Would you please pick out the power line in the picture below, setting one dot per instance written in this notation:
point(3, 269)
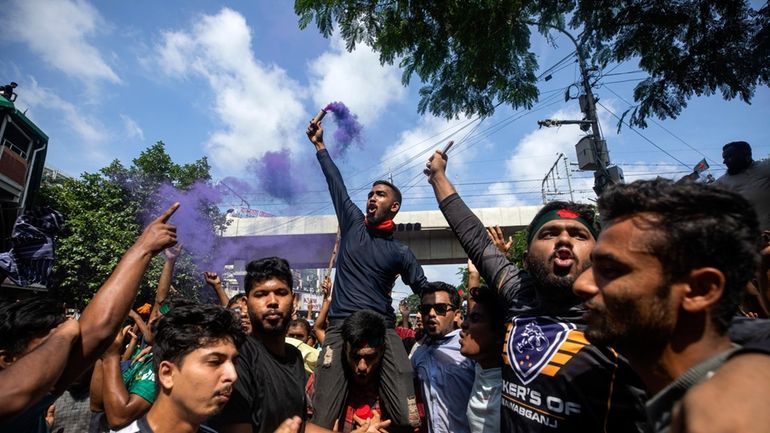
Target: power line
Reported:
point(642, 135)
point(669, 132)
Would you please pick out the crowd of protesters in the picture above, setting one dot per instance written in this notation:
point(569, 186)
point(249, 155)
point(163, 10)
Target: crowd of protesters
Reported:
point(646, 313)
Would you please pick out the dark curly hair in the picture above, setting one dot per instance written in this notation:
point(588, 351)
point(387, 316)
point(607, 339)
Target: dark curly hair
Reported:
point(187, 328)
point(22, 321)
point(261, 270)
point(697, 226)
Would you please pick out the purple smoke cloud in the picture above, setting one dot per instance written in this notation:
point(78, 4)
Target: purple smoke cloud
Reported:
point(194, 229)
point(277, 175)
point(348, 127)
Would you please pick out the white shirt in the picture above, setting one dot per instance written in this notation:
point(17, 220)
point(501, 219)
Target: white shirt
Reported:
point(484, 405)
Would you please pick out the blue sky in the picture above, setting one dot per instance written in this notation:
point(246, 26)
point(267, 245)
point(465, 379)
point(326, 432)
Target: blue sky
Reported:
point(232, 80)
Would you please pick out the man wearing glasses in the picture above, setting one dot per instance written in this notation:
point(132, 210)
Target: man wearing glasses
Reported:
point(445, 375)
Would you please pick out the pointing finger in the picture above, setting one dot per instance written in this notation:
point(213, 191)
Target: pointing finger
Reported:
point(163, 218)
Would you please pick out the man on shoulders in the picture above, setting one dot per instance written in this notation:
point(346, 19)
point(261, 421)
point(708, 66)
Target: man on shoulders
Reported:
point(368, 262)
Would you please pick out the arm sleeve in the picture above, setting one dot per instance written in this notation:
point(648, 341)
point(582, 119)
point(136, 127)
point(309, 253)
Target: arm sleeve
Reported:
point(347, 212)
point(411, 272)
point(145, 387)
point(493, 265)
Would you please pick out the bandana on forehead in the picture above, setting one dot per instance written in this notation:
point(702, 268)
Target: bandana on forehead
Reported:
point(560, 214)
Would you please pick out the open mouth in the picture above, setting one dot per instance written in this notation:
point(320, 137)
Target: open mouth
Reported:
point(371, 208)
point(563, 258)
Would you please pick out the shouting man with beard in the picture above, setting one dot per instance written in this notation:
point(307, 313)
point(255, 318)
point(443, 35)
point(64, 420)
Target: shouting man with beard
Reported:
point(368, 262)
point(554, 380)
point(271, 373)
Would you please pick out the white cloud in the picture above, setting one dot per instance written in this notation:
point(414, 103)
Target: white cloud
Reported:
point(58, 32)
point(533, 157)
point(89, 130)
point(132, 128)
point(405, 159)
point(357, 79)
point(258, 105)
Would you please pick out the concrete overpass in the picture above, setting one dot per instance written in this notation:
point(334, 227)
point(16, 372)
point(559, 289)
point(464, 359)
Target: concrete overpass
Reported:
point(307, 241)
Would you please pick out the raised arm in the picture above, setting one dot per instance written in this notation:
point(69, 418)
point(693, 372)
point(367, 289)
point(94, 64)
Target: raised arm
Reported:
point(319, 326)
point(436, 171)
point(32, 376)
point(103, 316)
point(164, 282)
point(347, 212)
point(141, 325)
point(492, 264)
point(213, 280)
point(120, 407)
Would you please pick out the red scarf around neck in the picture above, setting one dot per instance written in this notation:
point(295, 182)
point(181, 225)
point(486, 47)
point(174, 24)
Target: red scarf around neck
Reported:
point(385, 226)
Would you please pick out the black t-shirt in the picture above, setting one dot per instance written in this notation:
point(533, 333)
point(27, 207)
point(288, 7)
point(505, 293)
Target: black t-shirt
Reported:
point(269, 388)
point(554, 380)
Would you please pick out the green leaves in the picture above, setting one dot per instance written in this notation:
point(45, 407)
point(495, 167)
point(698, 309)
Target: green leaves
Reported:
point(475, 55)
point(103, 213)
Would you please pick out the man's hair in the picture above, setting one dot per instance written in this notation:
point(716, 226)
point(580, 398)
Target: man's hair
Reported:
point(190, 327)
point(301, 322)
point(698, 226)
point(738, 145)
point(364, 327)
point(494, 307)
point(22, 321)
point(584, 211)
point(236, 298)
point(261, 270)
point(396, 191)
point(440, 286)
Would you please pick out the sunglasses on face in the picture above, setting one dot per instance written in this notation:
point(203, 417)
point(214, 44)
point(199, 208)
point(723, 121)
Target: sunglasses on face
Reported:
point(440, 309)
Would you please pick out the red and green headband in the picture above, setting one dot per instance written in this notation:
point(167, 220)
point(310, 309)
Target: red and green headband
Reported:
point(560, 214)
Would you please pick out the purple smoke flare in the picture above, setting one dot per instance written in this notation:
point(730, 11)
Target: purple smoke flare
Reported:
point(348, 127)
point(277, 175)
point(194, 227)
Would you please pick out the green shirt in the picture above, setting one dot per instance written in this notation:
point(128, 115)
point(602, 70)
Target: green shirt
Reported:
point(140, 379)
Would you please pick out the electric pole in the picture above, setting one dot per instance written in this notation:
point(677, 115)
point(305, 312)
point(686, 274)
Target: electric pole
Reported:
point(592, 149)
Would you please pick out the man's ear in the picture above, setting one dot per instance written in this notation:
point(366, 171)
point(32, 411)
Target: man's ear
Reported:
point(166, 371)
point(706, 287)
point(394, 208)
point(6, 359)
